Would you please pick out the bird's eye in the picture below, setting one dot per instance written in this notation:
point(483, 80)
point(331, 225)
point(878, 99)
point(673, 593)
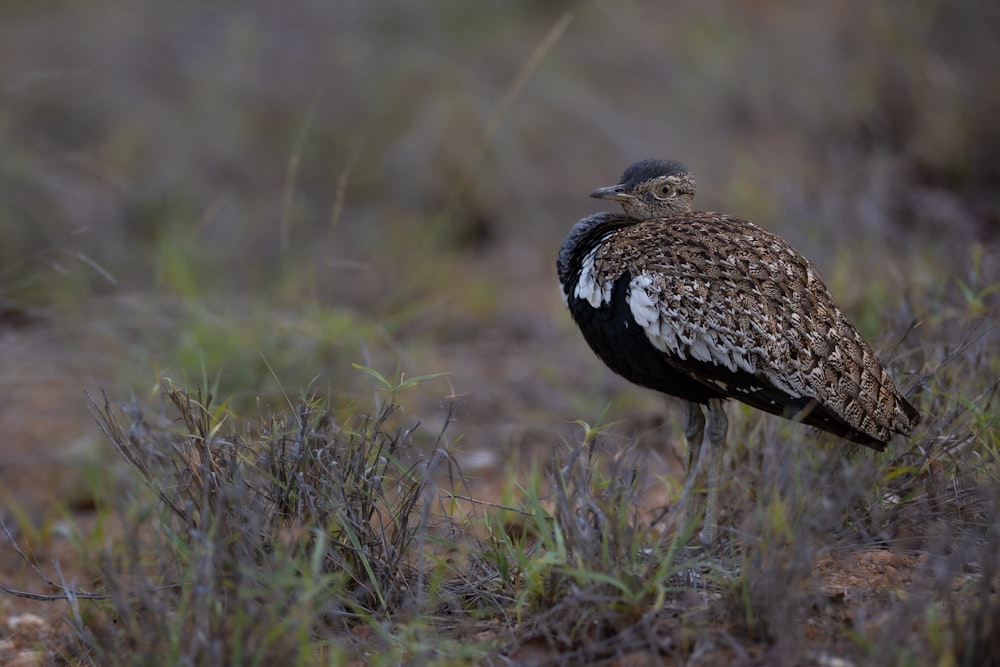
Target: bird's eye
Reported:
point(664, 191)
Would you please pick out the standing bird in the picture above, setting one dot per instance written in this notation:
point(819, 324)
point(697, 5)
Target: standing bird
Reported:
point(705, 306)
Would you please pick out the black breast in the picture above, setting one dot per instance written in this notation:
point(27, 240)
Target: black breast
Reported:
point(621, 343)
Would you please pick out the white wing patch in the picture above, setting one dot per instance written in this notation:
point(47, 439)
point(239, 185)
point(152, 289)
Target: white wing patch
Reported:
point(645, 309)
point(647, 305)
point(684, 325)
point(587, 287)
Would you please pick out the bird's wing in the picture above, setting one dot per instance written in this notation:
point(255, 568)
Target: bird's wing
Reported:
point(758, 392)
point(738, 308)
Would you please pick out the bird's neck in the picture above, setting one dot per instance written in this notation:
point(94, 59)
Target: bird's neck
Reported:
point(586, 235)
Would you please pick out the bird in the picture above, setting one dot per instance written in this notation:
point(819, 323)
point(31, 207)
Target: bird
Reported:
point(707, 307)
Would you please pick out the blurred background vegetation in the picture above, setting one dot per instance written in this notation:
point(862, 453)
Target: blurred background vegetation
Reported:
point(259, 194)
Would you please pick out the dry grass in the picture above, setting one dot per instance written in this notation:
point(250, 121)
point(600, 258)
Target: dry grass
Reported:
point(247, 194)
point(315, 538)
point(264, 545)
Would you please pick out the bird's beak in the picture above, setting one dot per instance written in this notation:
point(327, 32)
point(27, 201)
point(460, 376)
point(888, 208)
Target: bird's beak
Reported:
point(615, 192)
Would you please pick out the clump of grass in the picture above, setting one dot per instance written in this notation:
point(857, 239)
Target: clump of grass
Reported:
point(601, 578)
point(799, 503)
point(302, 539)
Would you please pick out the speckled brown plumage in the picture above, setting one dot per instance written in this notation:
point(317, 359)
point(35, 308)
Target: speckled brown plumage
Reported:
point(709, 306)
point(739, 299)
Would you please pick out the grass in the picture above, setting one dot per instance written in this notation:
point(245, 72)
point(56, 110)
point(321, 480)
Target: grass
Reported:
point(324, 535)
point(257, 202)
point(270, 545)
point(310, 539)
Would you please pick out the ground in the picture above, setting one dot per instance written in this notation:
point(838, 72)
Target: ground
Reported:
point(363, 204)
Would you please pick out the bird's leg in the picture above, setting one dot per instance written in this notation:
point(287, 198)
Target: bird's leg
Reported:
point(717, 426)
point(694, 432)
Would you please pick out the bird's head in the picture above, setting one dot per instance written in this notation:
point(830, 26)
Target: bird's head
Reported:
point(652, 189)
